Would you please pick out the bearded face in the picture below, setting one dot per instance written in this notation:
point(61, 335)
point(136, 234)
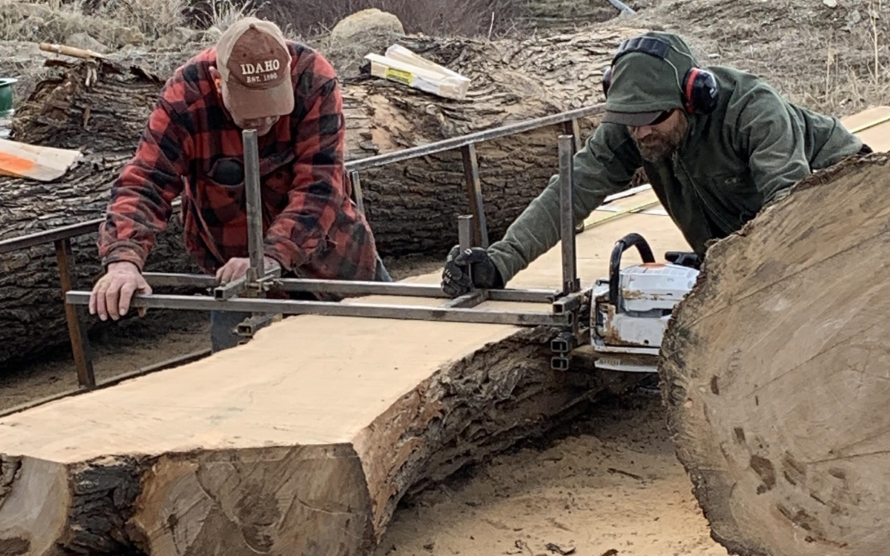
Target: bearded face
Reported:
point(662, 138)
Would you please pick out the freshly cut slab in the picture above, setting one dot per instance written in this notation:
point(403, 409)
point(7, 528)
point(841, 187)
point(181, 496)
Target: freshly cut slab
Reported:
point(302, 441)
point(777, 373)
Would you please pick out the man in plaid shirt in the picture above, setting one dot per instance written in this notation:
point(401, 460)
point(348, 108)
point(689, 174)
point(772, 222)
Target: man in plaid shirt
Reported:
point(253, 79)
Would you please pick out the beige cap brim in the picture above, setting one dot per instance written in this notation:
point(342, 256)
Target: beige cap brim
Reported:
point(251, 104)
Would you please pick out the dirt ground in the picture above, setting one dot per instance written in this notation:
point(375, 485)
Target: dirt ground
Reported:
point(607, 485)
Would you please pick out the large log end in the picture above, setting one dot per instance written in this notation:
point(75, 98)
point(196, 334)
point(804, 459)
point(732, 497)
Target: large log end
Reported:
point(275, 500)
point(27, 524)
point(777, 373)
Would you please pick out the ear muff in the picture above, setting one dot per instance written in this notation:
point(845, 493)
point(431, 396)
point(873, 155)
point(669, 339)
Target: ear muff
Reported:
point(699, 91)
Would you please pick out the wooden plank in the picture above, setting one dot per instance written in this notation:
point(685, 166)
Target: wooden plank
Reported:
point(872, 126)
point(307, 436)
point(866, 119)
point(35, 162)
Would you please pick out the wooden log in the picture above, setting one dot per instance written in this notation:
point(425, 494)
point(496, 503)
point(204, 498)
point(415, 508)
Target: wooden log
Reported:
point(32, 315)
point(777, 377)
point(302, 441)
point(101, 107)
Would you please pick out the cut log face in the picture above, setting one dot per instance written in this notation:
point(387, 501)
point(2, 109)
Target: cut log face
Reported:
point(777, 373)
point(302, 441)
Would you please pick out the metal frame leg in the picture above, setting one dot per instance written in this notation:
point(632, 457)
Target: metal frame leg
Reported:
point(573, 128)
point(570, 282)
point(356, 181)
point(465, 241)
point(474, 193)
point(80, 344)
point(254, 206)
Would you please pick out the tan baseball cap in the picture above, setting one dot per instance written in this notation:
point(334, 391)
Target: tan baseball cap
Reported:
point(254, 62)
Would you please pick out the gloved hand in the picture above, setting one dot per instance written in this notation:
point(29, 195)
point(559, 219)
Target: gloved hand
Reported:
point(456, 281)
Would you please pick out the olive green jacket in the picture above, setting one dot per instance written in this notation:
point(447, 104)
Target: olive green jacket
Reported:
point(745, 154)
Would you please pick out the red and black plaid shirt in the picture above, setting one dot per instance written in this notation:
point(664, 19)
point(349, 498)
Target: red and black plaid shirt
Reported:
point(191, 146)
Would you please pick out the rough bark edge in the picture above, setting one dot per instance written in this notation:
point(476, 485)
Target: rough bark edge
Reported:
point(103, 492)
point(676, 336)
point(504, 399)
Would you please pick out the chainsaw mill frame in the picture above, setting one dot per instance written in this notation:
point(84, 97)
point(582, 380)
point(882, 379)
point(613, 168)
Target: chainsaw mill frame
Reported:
point(248, 294)
point(561, 304)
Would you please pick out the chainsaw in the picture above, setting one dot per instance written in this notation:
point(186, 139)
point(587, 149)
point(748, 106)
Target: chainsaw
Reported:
point(631, 308)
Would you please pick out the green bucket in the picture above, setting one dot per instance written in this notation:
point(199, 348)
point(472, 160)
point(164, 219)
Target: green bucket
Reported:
point(6, 95)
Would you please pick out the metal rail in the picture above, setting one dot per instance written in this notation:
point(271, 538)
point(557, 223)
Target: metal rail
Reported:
point(62, 236)
point(477, 137)
point(352, 287)
point(335, 309)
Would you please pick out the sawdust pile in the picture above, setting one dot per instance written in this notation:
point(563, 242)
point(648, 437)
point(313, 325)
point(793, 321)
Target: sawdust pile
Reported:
point(610, 485)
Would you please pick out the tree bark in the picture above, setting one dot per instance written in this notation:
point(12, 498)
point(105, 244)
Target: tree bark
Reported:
point(32, 315)
point(777, 377)
point(102, 107)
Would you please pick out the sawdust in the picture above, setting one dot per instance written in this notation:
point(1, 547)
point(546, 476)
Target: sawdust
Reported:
point(610, 484)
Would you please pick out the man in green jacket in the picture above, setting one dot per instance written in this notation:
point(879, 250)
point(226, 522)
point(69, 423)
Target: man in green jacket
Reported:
point(717, 145)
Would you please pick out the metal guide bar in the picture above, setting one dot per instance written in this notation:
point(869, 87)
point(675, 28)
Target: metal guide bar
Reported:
point(477, 137)
point(327, 308)
point(570, 282)
point(254, 205)
point(353, 287)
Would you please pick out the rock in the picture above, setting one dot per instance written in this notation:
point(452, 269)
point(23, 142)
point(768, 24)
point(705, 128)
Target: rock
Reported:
point(364, 23)
point(27, 28)
point(830, 3)
point(212, 34)
point(177, 37)
point(85, 41)
point(130, 35)
point(33, 10)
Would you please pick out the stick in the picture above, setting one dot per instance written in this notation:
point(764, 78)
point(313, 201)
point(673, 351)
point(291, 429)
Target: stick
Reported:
point(70, 51)
point(622, 6)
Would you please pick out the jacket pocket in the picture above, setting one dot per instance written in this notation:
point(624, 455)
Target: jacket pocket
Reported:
point(738, 194)
point(220, 191)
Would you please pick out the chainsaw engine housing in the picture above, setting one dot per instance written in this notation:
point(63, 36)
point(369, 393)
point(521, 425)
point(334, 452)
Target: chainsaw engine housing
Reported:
point(627, 328)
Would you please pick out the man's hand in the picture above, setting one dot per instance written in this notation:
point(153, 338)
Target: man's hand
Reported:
point(238, 267)
point(457, 281)
point(113, 292)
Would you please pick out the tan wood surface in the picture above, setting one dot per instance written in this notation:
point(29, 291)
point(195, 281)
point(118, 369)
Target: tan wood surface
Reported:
point(873, 126)
point(778, 375)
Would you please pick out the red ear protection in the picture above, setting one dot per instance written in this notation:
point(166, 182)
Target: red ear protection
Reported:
point(698, 90)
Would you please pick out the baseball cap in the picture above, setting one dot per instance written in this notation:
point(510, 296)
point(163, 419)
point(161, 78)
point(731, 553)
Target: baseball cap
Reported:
point(644, 86)
point(253, 60)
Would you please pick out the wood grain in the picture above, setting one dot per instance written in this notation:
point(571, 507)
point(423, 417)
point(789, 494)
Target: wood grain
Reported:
point(777, 374)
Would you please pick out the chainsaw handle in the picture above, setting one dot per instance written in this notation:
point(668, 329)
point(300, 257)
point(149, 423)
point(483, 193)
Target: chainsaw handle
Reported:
point(622, 245)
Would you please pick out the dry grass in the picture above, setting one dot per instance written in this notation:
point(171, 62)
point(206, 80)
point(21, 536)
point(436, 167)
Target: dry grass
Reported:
point(856, 71)
point(475, 18)
point(114, 23)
